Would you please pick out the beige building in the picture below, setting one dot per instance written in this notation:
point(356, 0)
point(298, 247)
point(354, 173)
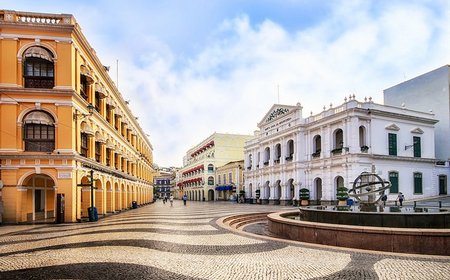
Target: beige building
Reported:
point(197, 176)
point(68, 140)
point(229, 180)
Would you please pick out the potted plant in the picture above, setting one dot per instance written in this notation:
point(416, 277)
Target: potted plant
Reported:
point(304, 197)
point(342, 196)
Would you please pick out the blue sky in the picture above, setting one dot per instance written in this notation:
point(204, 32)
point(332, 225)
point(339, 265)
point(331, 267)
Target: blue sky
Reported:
point(190, 68)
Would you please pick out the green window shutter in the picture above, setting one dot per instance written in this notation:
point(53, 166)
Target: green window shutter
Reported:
point(393, 177)
point(392, 144)
point(417, 183)
point(417, 146)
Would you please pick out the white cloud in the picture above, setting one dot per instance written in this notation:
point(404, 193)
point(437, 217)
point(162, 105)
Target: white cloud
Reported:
point(230, 81)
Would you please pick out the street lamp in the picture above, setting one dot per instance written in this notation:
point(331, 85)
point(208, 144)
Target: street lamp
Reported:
point(91, 184)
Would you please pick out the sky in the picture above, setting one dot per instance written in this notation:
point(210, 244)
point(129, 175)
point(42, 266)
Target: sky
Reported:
point(192, 68)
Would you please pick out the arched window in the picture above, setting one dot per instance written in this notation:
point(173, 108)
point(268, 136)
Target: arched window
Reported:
point(362, 139)
point(38, 67)
point(266, 156)
point(210, 180)
point(210, 168)
point(277, 153)
point(250, 162)
point(338, 141)
point(339, 182)
point(39, 132)
point(290, 150)
point(317, 148)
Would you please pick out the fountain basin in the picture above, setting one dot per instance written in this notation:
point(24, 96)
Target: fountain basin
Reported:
point(398, 218)
point(389, 239)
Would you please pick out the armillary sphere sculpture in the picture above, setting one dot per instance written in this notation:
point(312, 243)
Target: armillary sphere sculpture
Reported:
point(368, 188)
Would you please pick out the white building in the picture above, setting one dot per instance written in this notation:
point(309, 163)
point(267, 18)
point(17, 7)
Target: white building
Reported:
point(427, 92)
point(328, 150)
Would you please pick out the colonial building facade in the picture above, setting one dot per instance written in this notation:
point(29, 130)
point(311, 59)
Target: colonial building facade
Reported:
point(229, 180)
point(427, 92)
point(328, 150)
point(64, 126)
point(164, 182)
point(197, 176)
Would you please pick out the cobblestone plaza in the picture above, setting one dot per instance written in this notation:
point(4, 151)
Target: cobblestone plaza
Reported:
point(188, 242)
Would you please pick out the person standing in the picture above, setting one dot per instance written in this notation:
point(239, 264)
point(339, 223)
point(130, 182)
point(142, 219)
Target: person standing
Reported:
point(400, 198)
point(184, 199)
point(171, 200)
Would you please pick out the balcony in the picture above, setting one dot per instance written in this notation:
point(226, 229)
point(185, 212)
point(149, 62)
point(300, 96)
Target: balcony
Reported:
point(336, 151)
point(316, 154)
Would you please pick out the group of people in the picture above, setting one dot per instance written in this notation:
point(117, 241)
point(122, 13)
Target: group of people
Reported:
point(171, 199)
point(400, 198)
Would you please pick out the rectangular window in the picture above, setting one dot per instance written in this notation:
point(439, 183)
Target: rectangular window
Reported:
point(98, 151)
point(108, 157)
point(230, 177)
point(417, 183)
point(224, 179)
point(393, 178)
point(84, 145)
point(218, 180)
point(417, 146)
point(392, 144)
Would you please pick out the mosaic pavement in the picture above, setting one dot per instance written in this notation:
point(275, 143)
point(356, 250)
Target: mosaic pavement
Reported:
point(185, 242)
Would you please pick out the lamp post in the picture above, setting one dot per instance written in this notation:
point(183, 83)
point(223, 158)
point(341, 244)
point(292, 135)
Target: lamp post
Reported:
point(91, 184)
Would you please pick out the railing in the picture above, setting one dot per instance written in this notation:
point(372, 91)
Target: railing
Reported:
point(36, 18)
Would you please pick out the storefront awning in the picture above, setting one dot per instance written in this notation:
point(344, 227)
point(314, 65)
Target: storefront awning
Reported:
point(224, 188)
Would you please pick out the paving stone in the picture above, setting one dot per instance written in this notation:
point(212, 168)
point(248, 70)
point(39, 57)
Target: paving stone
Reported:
point(184, 242)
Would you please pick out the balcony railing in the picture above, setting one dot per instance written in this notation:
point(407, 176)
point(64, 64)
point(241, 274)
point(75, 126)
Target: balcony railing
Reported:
point(316, 154)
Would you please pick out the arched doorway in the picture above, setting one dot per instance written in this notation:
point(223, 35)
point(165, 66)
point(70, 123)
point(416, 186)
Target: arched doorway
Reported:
point(98, 198)
point(109, 197)
point(210, 195)
point(117, 197)
point(40, 198)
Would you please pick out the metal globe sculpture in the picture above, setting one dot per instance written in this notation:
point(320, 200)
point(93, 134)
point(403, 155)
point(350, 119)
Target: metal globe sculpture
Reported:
point(368, 189)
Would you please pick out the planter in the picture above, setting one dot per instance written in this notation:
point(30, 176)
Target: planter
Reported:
point(304, 202)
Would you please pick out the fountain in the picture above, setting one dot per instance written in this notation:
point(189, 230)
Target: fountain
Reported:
point(368, 224)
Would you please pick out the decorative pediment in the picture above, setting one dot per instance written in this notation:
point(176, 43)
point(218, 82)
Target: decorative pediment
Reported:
point(275, 112)
point(392, 127)
point(417, 130)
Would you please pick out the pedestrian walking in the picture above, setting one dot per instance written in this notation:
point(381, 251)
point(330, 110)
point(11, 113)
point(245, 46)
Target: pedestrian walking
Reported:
point(164, 199)
point(184, 199)
point(171, 200)
point(384, 198)
point(400, 198)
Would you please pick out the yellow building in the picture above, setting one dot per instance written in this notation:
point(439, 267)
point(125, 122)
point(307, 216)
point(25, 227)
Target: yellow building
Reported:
point(196, 178)
point(230, 180)
point(61, 118)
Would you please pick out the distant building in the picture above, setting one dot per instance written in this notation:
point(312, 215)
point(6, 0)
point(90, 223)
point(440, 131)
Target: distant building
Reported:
point(329, 150)
point(197, 176)
point(427, 92)
point(164, 182)
point(229, 180)
point(61, 117)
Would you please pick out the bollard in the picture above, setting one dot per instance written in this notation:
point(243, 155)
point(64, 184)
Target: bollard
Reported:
point(440, 204)
point(414, 204)
point(395, 203)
